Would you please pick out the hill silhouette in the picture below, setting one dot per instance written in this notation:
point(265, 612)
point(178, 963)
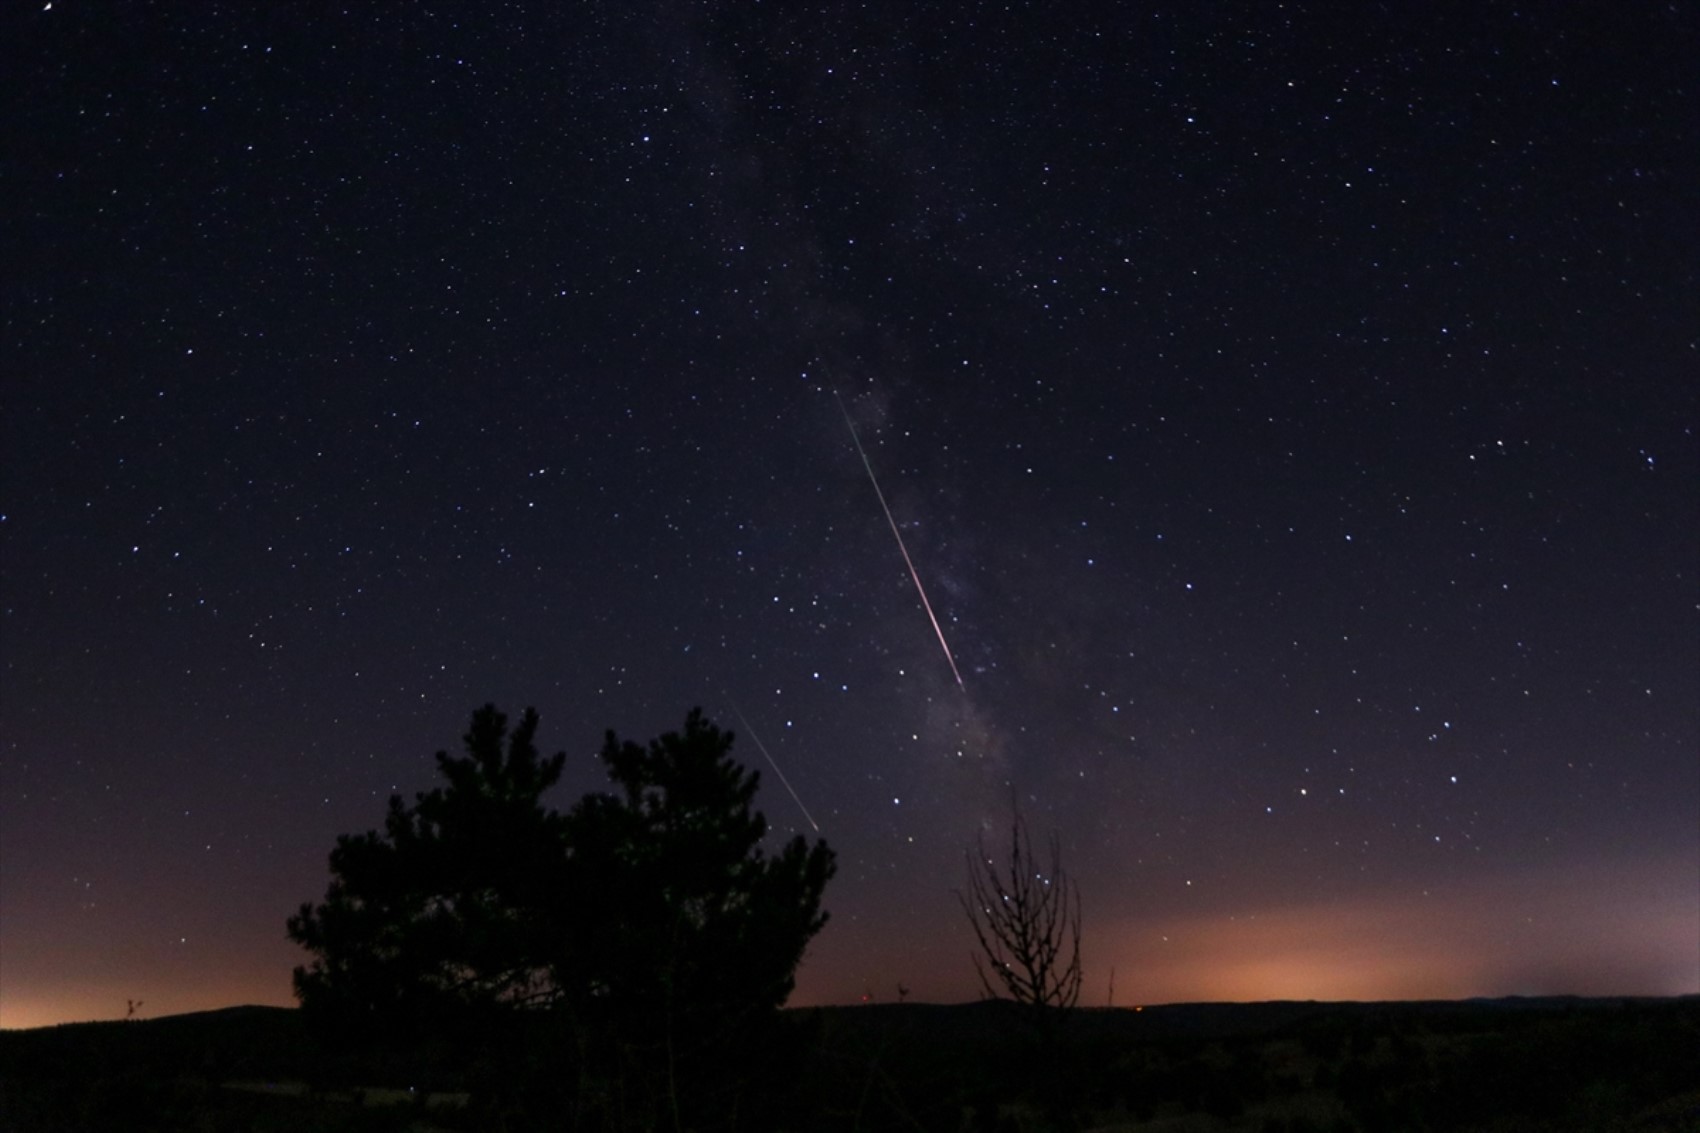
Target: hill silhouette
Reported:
point(1549, 1063)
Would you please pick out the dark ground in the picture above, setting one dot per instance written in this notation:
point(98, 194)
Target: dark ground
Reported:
point(1500, 1065)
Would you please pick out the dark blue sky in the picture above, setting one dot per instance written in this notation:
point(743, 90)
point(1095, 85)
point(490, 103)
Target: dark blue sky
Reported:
point(1290, 414)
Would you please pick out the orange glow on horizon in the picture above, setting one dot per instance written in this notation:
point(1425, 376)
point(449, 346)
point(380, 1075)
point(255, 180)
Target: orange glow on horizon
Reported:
point(1589, 931)
point(1507, 937)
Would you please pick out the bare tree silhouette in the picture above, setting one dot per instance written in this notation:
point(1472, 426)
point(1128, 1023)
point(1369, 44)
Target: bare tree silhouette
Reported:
point(1026, 921)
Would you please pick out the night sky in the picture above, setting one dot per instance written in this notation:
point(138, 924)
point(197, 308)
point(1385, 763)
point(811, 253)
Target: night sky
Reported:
point(1290, 412)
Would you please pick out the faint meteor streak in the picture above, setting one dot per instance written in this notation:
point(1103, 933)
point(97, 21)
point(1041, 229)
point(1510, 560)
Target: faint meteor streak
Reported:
point(761, 747)
point(907, 561)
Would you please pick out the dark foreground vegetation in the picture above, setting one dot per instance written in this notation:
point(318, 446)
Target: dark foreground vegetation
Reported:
point(1502, 1066)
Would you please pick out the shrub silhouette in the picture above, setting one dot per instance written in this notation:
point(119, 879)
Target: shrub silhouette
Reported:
point(1026, 922)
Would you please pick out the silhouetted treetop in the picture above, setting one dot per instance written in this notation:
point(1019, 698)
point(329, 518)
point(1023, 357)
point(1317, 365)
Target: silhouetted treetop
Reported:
point(514, 774)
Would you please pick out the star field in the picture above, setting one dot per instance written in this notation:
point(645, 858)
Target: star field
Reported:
point(1289, 413)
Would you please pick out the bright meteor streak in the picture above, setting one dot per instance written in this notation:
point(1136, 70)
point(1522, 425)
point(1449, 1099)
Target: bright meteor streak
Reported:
point(761, 747)
point(907, 561)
